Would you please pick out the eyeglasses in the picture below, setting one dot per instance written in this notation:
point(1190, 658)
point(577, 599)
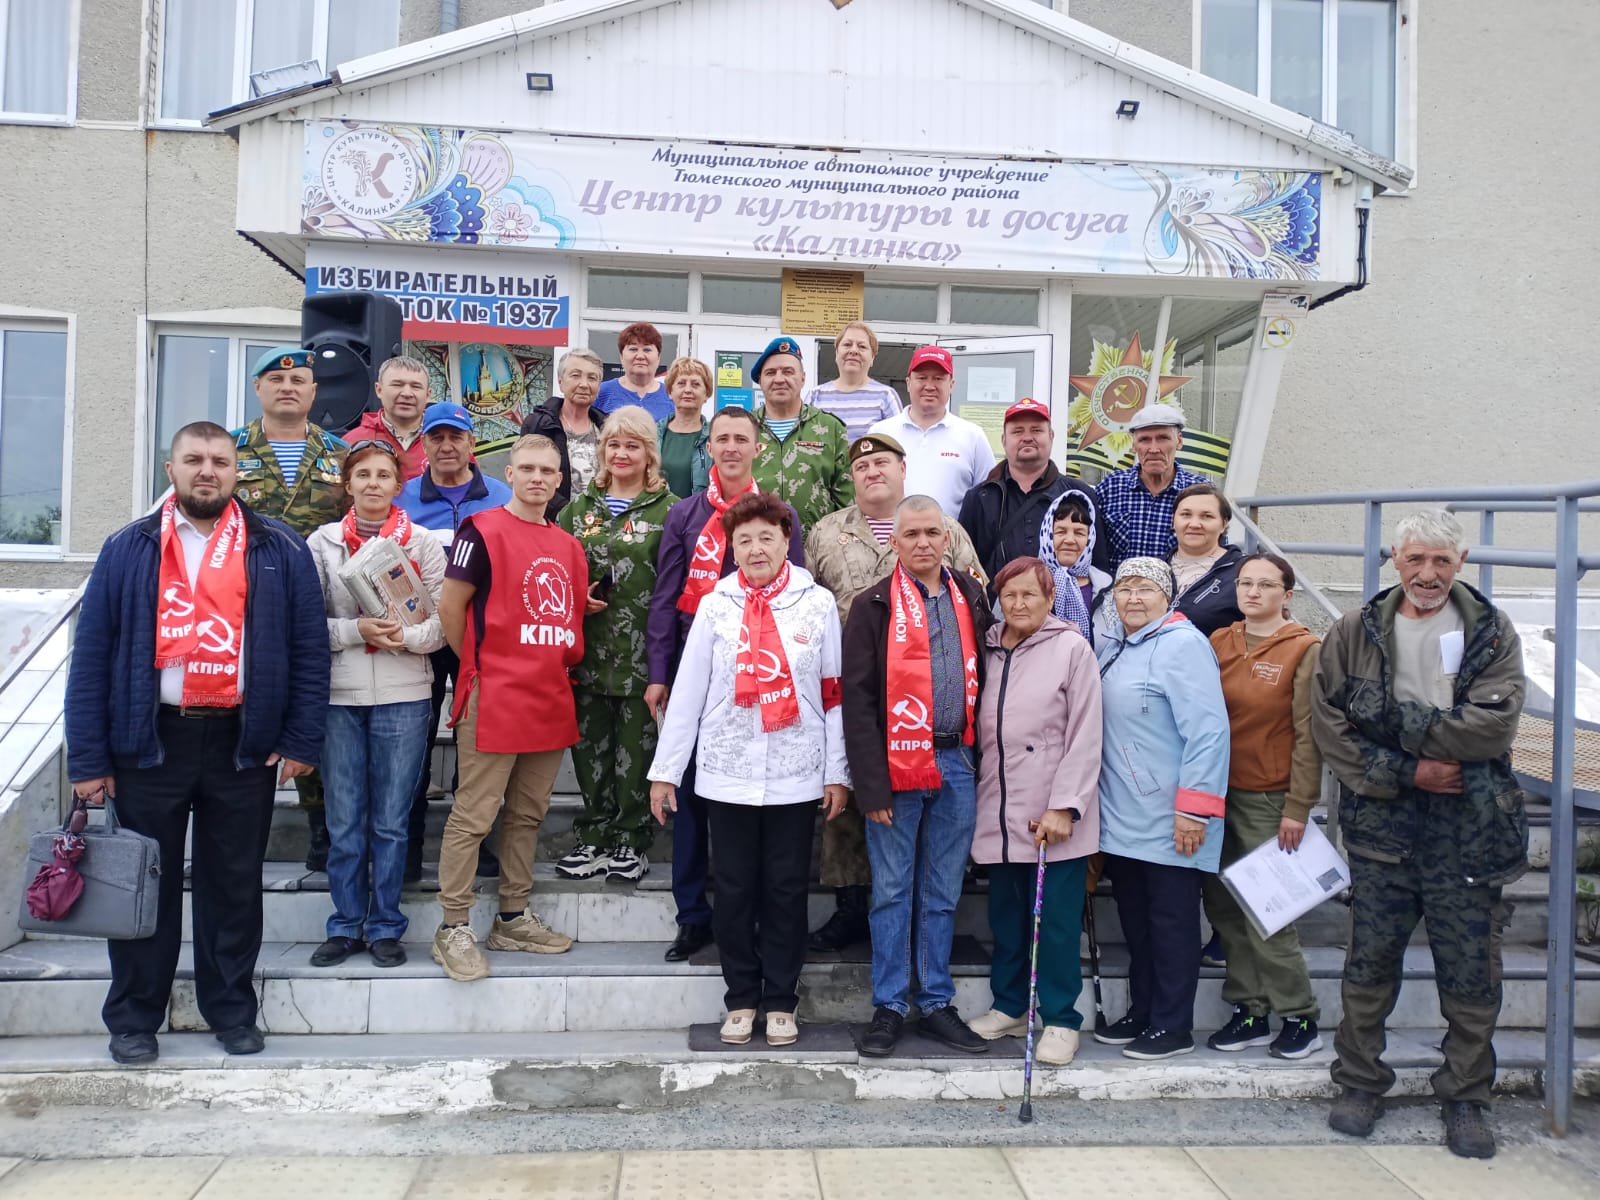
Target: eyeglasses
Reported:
point(1141, 591)
point(369, 443)
point(1259, 585)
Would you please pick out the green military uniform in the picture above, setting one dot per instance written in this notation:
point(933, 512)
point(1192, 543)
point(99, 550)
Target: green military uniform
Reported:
point(846, 557)
point(317, 498)
point(616, 735)
point(810, 468)
point(318, 493)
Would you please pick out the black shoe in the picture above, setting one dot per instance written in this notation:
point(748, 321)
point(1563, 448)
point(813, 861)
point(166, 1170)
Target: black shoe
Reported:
point(128, 1048)
point(1466, 1131)
point(1211, 954)
point(1296, 1039)
point(945, 1025)
point(879, 1039)
point(246, 1039)
point(317, 851)
point(848, 925)
point(1158, 1043)
point(335, 950)
point(1122, 1032)
point(1243, 1032)
point(413, 868)
point(1354, 1112)
point(691, 939)
point(488, 864)
point(387, 952)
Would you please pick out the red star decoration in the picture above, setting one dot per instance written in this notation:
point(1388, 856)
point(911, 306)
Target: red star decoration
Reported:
point(1125, 396)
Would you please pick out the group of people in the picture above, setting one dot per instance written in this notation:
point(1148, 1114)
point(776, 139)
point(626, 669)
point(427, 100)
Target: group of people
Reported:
point(734, 619)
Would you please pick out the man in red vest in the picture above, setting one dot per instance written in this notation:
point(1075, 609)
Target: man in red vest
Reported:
point(513, 605)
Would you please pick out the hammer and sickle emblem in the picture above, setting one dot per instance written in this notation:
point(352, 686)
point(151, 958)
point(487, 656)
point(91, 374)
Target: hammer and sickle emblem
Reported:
point(177, 607)
point(705, 549)
point(910, 715)
point(215, 635)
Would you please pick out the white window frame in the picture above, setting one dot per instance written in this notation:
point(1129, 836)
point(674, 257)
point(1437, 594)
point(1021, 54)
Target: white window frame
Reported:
point(1405, 80)
point(70, 117)
point(243, 37)
point(44, 321)
point(276, 328)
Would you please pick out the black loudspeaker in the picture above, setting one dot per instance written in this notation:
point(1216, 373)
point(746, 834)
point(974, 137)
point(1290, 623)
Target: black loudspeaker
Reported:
point(351, 334)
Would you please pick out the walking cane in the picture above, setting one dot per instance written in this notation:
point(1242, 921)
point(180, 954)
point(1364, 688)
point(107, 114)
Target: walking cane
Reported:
point(1094, 963)
point(1025, 1113)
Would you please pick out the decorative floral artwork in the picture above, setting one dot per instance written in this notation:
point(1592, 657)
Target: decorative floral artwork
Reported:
point(1254, 225)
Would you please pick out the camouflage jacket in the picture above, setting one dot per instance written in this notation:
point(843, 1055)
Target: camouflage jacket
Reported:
point(614, 661)
point(845, 557)
point(1373, 743)
point(318, 493)
point(810, 468)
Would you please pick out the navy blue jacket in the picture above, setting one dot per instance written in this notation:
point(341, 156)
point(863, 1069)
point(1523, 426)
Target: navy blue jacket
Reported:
point(114, 689)
point(1212, 602)
point(424, 504)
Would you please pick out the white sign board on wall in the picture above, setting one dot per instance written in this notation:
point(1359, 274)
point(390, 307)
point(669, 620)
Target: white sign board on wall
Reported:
point(419, 184)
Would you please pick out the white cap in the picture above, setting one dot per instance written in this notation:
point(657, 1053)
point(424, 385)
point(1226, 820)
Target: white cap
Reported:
point(1157, 414)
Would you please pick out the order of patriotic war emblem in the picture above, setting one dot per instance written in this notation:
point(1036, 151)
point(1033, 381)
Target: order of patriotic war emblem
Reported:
point(547, 597)
point(369, 173)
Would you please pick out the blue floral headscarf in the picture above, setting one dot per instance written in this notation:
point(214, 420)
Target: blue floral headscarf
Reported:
point(1069, 605)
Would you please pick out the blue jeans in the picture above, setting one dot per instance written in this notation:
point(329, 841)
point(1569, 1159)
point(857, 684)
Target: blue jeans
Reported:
point(917, 866)
point(371, 758)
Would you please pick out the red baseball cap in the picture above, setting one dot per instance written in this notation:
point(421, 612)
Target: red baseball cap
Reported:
point(937, 355)
point(1027, 407)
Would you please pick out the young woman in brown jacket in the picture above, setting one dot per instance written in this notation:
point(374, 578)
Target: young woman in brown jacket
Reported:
point(1274, 779)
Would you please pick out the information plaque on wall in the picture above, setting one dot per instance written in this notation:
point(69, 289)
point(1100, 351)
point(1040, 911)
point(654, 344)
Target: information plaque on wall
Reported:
point(822, 302)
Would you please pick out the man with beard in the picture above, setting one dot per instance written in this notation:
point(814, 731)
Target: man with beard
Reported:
point(1414, 705)
point(199, 681)
point(804, 451)
point(694, 554)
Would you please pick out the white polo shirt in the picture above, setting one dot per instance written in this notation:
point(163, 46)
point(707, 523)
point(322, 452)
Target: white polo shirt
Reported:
point(944, 461)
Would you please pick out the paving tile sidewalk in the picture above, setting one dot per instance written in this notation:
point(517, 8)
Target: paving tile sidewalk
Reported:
point(970, 1173)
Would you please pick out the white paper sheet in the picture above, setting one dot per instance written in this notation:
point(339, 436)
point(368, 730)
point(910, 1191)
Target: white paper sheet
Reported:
point(1451, 646)
point(1275, 887)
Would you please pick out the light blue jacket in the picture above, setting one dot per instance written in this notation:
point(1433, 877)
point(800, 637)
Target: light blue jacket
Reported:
point(1165, 748)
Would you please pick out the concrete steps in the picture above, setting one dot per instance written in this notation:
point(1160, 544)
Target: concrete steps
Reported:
point(401, 1074)
point(56, 988)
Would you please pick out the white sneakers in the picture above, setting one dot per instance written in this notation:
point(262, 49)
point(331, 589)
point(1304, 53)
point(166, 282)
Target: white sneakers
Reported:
point(781, 1029)
point(995, 1024)
point(741, 1023)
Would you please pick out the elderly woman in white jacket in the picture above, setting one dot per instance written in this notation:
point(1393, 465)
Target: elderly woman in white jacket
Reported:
point(378, 714)
point(758, 692)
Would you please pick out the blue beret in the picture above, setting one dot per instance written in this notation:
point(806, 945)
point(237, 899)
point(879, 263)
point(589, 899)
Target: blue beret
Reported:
point(782, 344)
point(281, 358)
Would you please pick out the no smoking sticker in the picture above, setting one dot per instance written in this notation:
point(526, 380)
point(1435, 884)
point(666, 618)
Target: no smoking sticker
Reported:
point(1279, 332)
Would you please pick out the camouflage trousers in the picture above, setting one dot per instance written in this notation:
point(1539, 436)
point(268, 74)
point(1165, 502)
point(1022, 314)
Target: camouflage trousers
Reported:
point(1465, 924)
point(309, 787)
point(844, 850)
point(616, 741)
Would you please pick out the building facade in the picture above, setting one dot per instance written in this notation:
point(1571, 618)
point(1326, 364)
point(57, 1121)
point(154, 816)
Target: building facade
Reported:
point(133, 303)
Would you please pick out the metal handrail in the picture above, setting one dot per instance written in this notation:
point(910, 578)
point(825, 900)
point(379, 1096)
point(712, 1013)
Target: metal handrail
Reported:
point(1256, 540)
point(64, 615)
point(1567, 502)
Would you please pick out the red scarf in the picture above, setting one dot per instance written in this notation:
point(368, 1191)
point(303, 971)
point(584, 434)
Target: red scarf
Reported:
point(761, 669)
point(397, 526)
point(711, 547)
point(200, 628)
point(908, 680)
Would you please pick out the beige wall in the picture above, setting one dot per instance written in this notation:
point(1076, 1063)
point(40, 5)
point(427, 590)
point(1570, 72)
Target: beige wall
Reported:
point(1164, 27)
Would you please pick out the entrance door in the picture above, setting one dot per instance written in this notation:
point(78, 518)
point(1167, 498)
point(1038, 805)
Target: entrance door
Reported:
point(731, 352)
point(993, 373)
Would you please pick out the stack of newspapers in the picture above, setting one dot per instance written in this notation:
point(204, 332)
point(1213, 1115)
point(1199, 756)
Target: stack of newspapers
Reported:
point(385, 583)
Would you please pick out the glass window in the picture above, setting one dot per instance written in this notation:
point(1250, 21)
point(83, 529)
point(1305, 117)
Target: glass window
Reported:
point(1229, 34)
point(604, 343)
point(1366, 72)
point(38, 52)
point(194, 382)
point(742, 295)
point(638, 291)
point(33, 402)
point(994, 306)
point(198, 44)
point(1297, 55)
point(1299, 36)
point(913, 303)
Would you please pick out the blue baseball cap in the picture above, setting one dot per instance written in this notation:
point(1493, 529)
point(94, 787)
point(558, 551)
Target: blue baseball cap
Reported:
point(282, 358)
point(782, 344)
point(446, 414)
